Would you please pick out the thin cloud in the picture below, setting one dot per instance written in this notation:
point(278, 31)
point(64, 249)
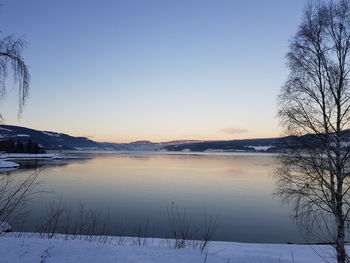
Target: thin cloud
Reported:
point(234, 130)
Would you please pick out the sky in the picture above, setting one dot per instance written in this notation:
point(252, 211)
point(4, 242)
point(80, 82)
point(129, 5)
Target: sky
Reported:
point(127, 70)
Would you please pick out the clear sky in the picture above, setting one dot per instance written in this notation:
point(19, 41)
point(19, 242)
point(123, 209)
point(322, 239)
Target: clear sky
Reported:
point(125, 70)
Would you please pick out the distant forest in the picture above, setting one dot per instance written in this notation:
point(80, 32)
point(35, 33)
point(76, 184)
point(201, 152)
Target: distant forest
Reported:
point(11, 146)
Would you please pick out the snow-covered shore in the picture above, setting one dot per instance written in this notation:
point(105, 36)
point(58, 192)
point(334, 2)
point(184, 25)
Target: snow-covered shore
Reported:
point(30, 248)
point(5, 164)
point(8, 156)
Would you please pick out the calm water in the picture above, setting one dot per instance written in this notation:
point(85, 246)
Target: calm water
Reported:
point(135, 186)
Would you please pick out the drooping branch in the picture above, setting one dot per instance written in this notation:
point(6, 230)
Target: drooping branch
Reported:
point(10, 55)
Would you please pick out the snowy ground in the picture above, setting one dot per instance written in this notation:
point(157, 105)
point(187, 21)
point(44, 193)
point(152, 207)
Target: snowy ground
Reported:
point(31, 248)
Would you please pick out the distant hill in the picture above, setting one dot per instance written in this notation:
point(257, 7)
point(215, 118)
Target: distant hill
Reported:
point(50, 140)
point(258, 145)
point(248, 145)
point(46, 139)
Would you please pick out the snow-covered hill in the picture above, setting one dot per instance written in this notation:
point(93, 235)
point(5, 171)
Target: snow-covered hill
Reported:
point(47, 140)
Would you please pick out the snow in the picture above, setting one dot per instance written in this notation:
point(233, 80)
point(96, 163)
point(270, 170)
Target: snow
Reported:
point(30, 156)
point(51, 134)
point(28, 247)
point(7, 164)
point(4, 129)
point(186, 150)
point(260, 148)
point(241, 252)
point(47, 133)
point(15, 250)
point(22, 135)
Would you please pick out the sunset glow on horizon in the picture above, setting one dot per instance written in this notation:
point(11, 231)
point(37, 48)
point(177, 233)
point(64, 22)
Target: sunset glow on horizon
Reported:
point(123, 71)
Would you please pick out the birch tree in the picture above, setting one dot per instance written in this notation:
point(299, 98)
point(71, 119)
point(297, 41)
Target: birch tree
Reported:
point(314, 109)
point(11, 61)
point(14, 193)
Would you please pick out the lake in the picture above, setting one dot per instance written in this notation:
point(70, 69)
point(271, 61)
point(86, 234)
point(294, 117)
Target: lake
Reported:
point(130, 188)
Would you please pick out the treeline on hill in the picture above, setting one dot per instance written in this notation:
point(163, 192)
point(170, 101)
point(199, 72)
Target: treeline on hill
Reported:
point(11, 146)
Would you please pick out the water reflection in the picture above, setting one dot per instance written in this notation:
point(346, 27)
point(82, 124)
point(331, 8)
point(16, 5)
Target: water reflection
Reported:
point(136, 186)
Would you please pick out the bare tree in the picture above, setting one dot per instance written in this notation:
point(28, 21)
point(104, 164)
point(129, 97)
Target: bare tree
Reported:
point(11, 55)
point(314, 108)
point(15, 192)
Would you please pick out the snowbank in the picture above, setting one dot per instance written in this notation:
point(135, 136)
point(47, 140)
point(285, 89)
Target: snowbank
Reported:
point(29, 248)
point(18, 250)
point(7, 164)
point(8, 156)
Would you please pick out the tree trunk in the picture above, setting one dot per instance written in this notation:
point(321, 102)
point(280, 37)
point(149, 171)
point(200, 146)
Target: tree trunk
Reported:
point(340, 246)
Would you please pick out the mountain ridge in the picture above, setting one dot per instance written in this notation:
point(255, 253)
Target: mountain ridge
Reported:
point(50, 140)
